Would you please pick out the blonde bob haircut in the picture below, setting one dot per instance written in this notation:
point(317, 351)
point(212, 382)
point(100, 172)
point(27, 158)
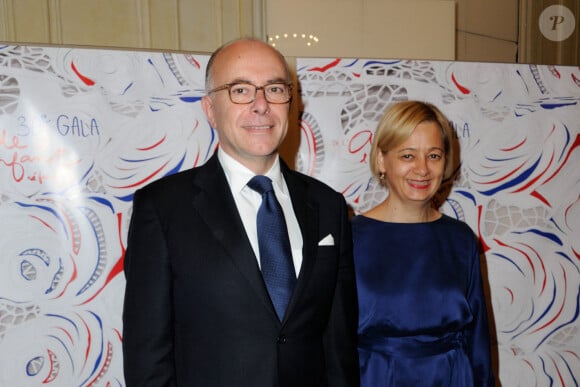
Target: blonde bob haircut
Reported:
point(397, 125)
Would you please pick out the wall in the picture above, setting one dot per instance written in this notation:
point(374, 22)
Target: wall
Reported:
point(487, 30)
point(563, 44)
point(482, 30)
point(200, 25)
point(417, 29)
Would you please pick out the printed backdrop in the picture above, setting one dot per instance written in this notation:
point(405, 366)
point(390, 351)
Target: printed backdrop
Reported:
point(82, 129)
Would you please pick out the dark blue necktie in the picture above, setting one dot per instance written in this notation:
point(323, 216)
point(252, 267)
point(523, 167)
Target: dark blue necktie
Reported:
point(275, 252)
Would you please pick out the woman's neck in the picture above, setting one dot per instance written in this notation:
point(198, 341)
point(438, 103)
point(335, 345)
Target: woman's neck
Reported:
point(396, 212)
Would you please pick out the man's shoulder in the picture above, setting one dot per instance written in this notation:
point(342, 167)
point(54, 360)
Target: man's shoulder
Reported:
point(178, 178)
point(313, 185)
point(181, 179)
point(182, 182)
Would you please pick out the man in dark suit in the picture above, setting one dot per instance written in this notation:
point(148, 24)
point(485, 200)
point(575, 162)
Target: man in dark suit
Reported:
point(197, 310)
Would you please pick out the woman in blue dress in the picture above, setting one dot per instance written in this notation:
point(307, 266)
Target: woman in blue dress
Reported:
point(422, 312)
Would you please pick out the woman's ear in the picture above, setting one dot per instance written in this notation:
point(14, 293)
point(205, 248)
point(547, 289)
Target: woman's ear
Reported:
point(380, 162)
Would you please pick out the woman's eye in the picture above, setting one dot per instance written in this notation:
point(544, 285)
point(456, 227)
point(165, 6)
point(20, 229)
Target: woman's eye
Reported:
point(275, 90)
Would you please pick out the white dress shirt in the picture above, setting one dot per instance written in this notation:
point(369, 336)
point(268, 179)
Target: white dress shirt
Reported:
point(248, 202)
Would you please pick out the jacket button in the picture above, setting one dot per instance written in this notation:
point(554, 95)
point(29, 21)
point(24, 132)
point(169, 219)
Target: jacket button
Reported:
point(281, 339)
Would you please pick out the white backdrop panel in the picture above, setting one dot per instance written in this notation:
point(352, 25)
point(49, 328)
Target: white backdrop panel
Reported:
point(81, 129)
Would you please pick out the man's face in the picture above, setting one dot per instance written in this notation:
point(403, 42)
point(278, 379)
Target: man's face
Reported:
point(250, 133)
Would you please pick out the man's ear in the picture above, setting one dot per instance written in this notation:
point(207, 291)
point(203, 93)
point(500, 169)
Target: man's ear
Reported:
point(207, 106)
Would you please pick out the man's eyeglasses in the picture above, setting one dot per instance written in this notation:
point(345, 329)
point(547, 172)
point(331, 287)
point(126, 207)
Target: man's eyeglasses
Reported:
point(245, 92)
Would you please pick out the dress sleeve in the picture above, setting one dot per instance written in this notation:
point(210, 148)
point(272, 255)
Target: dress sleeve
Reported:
point(479, 350)
point(147, 322)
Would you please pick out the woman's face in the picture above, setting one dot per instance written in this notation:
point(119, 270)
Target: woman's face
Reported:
point(414, 170)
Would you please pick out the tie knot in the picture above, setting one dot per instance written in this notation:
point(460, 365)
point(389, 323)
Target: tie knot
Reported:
point(261, 184)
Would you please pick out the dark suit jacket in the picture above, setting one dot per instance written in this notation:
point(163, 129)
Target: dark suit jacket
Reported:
point(197, 312)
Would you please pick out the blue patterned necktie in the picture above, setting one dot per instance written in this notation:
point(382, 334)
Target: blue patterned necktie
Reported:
point(275, 252)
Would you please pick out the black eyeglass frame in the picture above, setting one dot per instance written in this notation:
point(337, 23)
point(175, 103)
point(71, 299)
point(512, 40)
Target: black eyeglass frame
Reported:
point(229, 87)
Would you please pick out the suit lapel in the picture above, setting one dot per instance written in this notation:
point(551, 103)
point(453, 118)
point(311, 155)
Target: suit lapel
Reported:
point(215, 203)
point(306, 210)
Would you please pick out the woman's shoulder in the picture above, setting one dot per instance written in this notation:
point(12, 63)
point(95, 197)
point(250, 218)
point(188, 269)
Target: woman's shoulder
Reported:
point(456, 225)
point(453, 222)
point(361, 219)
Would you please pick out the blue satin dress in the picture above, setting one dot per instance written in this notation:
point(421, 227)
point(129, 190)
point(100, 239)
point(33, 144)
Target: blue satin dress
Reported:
point(422, 313)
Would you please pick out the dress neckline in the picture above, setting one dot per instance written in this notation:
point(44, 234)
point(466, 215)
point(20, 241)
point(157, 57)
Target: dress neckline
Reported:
point(401, 223)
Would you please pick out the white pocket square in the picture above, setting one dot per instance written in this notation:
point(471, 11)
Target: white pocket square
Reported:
point(327, 241)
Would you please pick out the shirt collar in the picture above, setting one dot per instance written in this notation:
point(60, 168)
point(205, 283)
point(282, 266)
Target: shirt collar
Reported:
point(238, 175)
